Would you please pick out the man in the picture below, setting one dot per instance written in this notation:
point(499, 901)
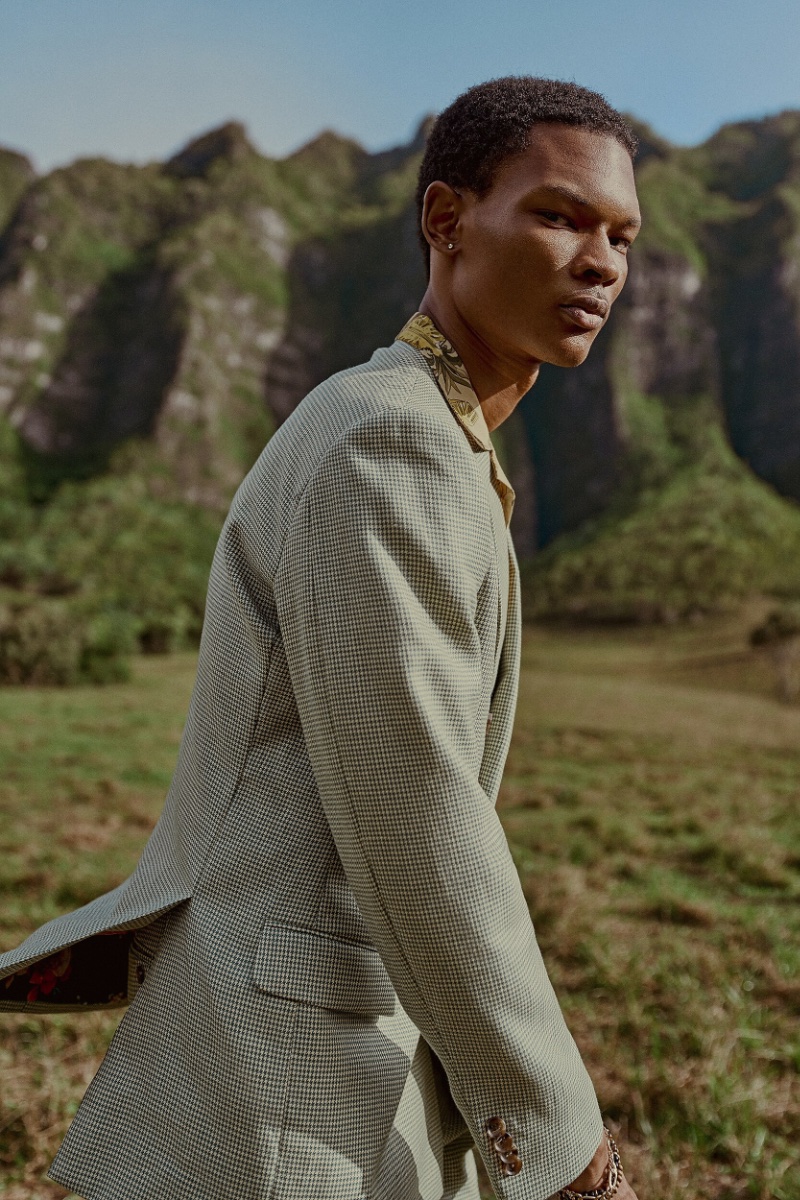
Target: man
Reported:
point(333, 981)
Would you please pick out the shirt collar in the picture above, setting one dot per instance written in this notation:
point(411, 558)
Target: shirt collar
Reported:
point(453, 382)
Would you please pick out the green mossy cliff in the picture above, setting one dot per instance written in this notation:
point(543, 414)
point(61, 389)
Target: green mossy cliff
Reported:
point(157, 323)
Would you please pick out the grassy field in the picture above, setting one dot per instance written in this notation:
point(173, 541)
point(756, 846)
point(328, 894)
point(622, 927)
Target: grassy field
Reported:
point(651, 802)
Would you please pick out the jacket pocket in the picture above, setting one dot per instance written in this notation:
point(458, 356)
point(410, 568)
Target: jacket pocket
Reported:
point(315, 968)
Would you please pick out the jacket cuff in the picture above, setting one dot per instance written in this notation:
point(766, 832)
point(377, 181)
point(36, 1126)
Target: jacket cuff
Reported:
point(541, 1157)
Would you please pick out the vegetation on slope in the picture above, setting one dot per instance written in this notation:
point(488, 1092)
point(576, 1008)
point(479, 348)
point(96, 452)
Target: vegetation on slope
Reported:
point(16, 174)
point(702, 541)
point(106, 567)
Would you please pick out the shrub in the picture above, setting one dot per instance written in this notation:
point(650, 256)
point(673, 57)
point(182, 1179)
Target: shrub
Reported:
point(109, 638)
point(120, 549)
point(779, 635)
point(38, 644)
point(780, 625)
point(48, 642)
point(163, 632)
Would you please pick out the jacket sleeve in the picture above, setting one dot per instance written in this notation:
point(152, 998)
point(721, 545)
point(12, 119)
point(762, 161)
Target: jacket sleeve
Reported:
point(376, 594)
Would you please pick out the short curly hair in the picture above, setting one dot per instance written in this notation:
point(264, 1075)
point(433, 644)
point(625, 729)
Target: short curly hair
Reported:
point(491, 122)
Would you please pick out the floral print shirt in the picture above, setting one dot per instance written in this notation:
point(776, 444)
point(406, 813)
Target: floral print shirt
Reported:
point(453, 381)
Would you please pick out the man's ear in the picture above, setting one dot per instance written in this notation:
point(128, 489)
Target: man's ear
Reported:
point(441, 210)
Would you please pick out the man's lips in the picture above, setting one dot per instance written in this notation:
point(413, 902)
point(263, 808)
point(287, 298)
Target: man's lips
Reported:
point(586, 311)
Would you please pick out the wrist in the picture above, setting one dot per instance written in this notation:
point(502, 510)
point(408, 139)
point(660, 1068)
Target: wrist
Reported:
point(592, 1174)
point(591, 1187)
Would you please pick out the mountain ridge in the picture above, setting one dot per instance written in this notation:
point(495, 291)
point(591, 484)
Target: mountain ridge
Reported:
point(182, 309)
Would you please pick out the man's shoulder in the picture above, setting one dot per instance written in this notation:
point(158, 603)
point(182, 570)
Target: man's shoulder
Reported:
point(382, 427)
point(394, 378)
point(392, 394)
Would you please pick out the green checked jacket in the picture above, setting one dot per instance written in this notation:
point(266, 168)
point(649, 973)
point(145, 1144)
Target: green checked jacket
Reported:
point(331, 977)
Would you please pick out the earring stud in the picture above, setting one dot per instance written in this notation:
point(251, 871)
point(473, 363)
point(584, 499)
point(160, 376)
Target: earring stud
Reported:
point(450, 245)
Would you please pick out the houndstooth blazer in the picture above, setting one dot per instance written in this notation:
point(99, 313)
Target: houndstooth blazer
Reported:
point(332, 978)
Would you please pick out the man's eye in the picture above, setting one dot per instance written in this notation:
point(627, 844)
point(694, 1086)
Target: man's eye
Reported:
point(554, 216)
point(622, 244)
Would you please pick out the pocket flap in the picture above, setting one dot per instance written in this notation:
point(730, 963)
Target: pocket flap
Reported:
point(302, 964)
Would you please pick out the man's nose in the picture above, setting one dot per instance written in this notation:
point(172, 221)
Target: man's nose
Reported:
point(598, 262)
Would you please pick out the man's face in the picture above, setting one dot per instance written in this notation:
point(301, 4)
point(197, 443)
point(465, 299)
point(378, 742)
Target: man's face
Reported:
point(542, 256)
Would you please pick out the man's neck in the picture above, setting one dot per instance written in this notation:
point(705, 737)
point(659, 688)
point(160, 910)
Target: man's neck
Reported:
point(498, 383)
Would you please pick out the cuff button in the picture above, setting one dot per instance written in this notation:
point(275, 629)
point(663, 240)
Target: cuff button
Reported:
point(495, 1127)
point(512, 1165)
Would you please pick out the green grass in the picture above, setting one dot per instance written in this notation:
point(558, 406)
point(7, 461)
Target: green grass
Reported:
point(650, 800)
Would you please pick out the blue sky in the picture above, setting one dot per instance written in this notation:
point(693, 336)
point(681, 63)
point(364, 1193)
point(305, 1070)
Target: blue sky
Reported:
point(135, 80)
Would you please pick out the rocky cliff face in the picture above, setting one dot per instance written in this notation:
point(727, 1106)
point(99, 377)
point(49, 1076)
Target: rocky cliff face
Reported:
point(756, 291)
point(192, 304)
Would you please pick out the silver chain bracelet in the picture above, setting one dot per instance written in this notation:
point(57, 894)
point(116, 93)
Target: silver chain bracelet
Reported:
point(610, 1182)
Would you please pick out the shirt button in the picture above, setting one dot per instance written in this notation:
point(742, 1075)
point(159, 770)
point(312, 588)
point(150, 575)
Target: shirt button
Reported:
point(140, 972)
point(495, 1127)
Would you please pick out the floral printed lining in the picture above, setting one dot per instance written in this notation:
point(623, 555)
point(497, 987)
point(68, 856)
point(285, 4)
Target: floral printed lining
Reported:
point(84, 973)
